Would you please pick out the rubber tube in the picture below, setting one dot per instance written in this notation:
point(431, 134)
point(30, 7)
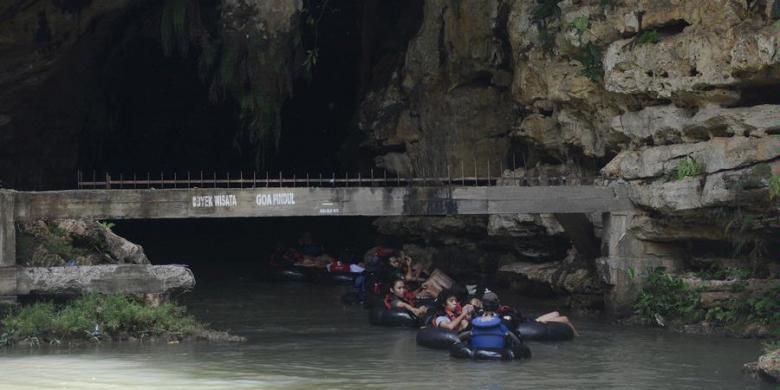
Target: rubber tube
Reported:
point(291, 274)
point(436, 338)
point(395, 317)
point(544, 331)
point(462, 351)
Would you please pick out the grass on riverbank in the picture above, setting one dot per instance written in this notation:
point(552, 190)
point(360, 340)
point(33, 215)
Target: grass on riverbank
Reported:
point(96, 317)
point(669, 296)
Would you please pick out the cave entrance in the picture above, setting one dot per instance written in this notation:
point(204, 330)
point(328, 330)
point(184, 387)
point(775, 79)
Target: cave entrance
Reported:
point(318, 117)
point(240, 248)
point(349, 47)
point(148, 111)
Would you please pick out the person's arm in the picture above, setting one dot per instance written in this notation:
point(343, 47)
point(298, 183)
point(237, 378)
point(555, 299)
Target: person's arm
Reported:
point(409, 274)
point(454, 324)
point(416, 311)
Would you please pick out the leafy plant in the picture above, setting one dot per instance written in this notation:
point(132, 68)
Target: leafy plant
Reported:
point(649, 36)
point(774, 187)
point(93, 316)
point(720, 314)
point(667, 295)
point(229, 62)
point(107, 224)
point(716, 272)
point(174, 27)
point(310, 61)
point(590, 57)
point(580, 25)
point(688, 167)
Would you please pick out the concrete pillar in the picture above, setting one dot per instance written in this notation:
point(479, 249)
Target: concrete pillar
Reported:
point(627, 258)
point(7, 247)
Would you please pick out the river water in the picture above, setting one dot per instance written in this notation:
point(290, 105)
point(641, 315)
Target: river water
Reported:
point(301, 337)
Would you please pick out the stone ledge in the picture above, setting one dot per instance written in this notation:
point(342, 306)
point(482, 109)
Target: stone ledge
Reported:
point(124, 278)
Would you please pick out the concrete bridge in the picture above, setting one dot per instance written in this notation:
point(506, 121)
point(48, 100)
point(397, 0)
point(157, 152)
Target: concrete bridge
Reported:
point(570, 203)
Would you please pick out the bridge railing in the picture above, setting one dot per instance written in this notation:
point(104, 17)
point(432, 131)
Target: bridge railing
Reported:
point(240, 180)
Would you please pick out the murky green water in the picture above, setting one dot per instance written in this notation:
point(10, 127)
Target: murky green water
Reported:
point(301, 337)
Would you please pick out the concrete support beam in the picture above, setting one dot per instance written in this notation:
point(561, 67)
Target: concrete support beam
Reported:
point(626, 258)
point(7, 247)
point(7, 229)
point(319, 201)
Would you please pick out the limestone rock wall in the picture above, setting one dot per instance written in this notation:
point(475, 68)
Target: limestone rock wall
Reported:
point(625, 88)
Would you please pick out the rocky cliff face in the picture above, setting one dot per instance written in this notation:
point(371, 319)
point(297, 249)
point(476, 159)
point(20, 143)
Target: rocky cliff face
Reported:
point(639, 90)
point(678, 98)
point(140, 84)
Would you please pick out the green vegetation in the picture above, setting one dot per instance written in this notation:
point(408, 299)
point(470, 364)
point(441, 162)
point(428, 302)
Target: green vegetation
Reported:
point(590, 58)
point(743, 231)
point(107, 225)
point(774, 187)
point(716, 272)
point(95, 317)
point(175, 27)
point(669, 296)
point(230, 62)
point(688, 167)
point(580, 25)
point(649, 36)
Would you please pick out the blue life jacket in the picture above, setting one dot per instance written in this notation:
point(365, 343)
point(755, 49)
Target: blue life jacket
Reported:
point(488, 333)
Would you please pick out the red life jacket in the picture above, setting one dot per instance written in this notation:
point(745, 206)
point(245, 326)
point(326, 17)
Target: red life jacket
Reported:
point(338, 266)
point(384, 252)
point(389, 301)
point(410, 298)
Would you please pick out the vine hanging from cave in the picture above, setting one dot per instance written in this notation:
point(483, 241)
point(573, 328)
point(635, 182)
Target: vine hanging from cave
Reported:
point(228, 62)
point(312, 14)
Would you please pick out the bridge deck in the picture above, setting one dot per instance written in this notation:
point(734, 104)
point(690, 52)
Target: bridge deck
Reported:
point(287, 202)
